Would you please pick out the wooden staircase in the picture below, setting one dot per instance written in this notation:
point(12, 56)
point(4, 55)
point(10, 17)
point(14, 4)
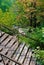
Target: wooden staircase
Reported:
point(14, 53)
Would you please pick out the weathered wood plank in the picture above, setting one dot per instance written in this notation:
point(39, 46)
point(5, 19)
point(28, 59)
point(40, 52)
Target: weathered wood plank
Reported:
point(0, 59)
point(1, 47)
point(17, 53)
point(28, 57)
point(11, 42)
point(23, 54)
point(11, 51)
point(4, 51)
point(10, 47)
point(5, 42)
point(3, 37)
point(19, 50)
point(1, 63)
point(1, 33)
point(33, 61)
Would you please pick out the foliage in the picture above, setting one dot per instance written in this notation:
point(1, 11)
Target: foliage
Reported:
point(39, 54)
point(5, 4)
point(35, 38)
point(6, 18)
point(15, 12)
point(21, 11)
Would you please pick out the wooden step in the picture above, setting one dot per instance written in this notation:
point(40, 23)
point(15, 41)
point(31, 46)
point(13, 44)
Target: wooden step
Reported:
point(33, 61)
point(6, 49)
point(0, 59)
point(3, 38)
point(17, 53)
point(1, 47)
point(28, 57)
point(23, 54)
point(5, 42)
point(1, 34)
point(11, 42)
point(11, 51)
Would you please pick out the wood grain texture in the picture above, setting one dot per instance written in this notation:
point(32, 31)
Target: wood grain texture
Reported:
point(19, 52)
